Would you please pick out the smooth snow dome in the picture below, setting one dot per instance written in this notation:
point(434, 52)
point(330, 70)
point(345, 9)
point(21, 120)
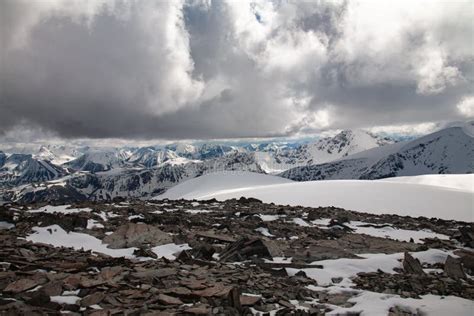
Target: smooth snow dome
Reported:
point(464, 182)
point(376, 197)
point(215, 182)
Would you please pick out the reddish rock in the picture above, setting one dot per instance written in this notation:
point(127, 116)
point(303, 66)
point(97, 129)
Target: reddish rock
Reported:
point(21, 285)
point(246, 300)
point(169, 300)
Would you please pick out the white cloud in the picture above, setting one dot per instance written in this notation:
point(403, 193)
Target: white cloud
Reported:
point(433, 74)
point(406, 129)
point(403, 41)
point(161, 43)
point(201, 68)
point(466, 106)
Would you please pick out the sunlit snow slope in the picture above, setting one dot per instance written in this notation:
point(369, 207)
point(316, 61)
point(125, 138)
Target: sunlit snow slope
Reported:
point(398, 196)
point(464, 182)
point(220, 181)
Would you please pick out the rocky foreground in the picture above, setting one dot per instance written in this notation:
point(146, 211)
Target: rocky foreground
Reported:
point(239, 257)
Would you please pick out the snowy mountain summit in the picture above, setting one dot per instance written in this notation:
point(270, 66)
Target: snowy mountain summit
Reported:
point(323, 150)
point(342, 145)
point(450, 150)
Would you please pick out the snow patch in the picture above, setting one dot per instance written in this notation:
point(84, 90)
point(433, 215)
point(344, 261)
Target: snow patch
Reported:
point(6, 225)
point(375, 304)
point(300, 222)
point(91, 224)
point(64, 209)
point(56, 236)
point(348, 268)
point(168, 251)
point(65, 299)
point(264, 231)
point(395, 233)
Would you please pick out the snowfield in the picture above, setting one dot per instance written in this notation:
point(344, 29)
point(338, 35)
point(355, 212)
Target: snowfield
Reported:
point(442, 196)
point(220, 181)
point(463, 182)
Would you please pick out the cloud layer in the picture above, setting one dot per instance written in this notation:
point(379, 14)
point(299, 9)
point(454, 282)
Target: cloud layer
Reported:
point(221, 69)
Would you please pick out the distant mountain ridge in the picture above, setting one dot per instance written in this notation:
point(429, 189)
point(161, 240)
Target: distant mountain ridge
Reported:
point(323, 150)
point(19, 169)
point(62, 173)
point(450, 150)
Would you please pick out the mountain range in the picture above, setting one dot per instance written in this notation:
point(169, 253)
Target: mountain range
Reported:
point(61, 173)
point(450, 151)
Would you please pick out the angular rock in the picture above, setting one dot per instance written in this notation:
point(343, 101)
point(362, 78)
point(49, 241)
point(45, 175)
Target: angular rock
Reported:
point(286, 304)
point(21, 285)
point(92, 299)
point(453, 268)
point(412, 265)
point(52, 288)
point(68, 222)
point(336, 280)
point(193, 284)
point(247, 300)
point(152, 274)
point(467, 235)
point(137, 235)
point(145, 252)
point(169, 300)
point(244, 249)
point(234, 298)
point(249, 200)
point(108, 273)
point(218, 290)
point(199, 310)
point(204, 251)
point(72, 281)
point(467, 259)
point(179, 291)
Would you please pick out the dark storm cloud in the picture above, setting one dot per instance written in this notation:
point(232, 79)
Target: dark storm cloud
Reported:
point(222, 69)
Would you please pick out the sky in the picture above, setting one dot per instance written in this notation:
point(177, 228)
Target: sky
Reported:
point(144, 70)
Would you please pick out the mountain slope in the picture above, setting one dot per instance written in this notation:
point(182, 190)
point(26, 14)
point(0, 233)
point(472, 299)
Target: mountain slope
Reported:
point(447, 151)
point(18, 169)
point(57, 155)
point(97, 160)
point(323, 150)
point(149, 157)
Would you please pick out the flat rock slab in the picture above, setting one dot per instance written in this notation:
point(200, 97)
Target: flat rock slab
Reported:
point(137, 235)
point(21, 285)
point(169, 300)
